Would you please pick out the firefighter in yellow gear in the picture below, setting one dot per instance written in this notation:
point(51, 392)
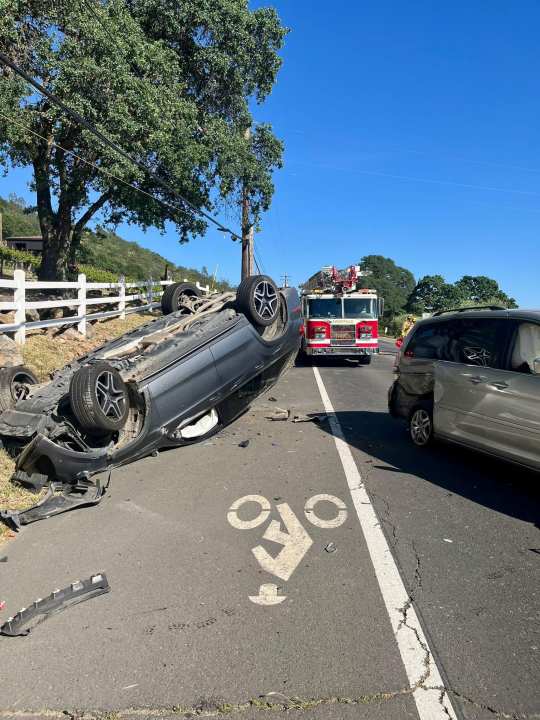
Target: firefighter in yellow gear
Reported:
point(407, 325)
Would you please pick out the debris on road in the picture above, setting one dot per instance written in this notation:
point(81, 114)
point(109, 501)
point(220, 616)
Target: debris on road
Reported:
point(272, 399)
point(3, 559)
point(279, 414)
point(60, 498)
point(243, 444)
point(309, 418)
point(58, 600)
point(331, 547)
point(2, 604)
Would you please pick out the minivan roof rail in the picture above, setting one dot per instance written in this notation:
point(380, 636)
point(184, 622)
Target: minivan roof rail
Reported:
point(472, 307)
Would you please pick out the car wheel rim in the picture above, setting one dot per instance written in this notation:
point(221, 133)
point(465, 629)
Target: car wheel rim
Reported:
point(110, 395)
point(20, 386)
point(420, 427)
point(265, 299)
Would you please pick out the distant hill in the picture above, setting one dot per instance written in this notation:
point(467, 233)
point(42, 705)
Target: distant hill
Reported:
point(104, 249)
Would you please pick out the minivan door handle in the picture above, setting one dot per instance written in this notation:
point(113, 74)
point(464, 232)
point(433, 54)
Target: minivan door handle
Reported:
point(499, 385)
point(477, 379)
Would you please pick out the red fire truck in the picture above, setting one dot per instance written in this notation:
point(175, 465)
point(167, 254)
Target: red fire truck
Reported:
point(340, 318)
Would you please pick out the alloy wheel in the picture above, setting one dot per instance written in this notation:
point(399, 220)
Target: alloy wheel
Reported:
point(110, 397)
point(265, 299)
point(420, 427)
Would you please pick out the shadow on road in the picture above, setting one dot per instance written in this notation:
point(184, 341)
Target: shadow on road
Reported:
point(484, 480)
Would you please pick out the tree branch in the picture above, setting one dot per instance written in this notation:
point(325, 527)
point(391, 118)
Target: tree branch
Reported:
point(92, 210)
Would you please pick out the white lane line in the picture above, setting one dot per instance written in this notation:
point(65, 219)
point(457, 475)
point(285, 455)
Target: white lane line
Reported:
point(432, 700)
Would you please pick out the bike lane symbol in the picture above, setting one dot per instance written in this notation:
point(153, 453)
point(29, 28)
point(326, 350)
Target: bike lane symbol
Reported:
point(294, 538)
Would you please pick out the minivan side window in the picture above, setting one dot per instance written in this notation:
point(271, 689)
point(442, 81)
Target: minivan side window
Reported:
point(470, 341)
point(478, 341)
point(428, 342)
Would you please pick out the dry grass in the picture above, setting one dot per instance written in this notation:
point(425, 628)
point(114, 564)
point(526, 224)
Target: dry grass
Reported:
point(44, 353)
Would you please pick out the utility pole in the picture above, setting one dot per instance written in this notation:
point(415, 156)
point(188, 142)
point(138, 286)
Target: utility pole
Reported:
point(247, 228)
point(286, 279)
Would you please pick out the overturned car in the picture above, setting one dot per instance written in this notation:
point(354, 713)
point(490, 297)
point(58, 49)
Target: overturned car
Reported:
point(174, 381)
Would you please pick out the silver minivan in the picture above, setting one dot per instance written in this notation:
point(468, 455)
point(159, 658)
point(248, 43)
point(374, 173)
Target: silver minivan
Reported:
point(472, 377)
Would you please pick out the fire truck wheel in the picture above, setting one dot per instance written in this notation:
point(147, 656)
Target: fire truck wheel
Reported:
point(365, 359)
point(258, 298)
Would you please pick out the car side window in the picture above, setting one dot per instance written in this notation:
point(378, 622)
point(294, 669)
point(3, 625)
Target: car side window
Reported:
point(429, 342)
point(525, 348)
point(477, 341)
point(470, 341)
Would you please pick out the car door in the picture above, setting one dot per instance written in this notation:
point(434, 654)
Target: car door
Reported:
point(238, 357)
point(522, 395)
point(473, 396)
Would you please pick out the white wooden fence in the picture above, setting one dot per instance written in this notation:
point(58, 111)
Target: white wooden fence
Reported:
point(149, 291)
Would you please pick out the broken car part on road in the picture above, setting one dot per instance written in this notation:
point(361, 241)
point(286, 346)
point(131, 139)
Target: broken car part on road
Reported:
point(176, 380)
point(58, 600)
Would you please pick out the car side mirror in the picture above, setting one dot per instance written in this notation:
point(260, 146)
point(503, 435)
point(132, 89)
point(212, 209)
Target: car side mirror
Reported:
point(536, 366)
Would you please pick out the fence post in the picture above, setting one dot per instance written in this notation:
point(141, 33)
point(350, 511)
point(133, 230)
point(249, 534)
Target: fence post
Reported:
point(122, 297)
point(19, 298)
point(81, 312)
point(149, 291)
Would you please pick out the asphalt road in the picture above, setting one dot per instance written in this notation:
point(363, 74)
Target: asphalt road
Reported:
point(183, 630)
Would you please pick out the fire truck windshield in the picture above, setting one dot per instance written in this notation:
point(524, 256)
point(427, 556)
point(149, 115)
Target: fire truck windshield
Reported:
point(358, 307)
point(325, 308)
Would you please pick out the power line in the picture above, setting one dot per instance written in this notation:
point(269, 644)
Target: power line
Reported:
point(109, 143)
point(89, 162)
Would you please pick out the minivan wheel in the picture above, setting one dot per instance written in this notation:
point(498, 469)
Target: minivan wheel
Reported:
point(421, 426)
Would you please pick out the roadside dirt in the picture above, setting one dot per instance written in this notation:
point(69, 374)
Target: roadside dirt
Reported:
point(44, 353)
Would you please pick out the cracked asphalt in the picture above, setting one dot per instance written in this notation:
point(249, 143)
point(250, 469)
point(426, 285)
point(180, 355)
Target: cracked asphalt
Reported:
point(178, 635)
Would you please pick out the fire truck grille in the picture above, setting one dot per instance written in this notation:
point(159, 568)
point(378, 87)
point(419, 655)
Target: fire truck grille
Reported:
point(343, 334)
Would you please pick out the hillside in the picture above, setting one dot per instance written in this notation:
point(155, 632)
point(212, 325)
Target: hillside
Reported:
point(104, 249)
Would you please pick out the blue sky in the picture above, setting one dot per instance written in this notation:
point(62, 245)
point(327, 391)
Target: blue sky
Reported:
point(411, 131)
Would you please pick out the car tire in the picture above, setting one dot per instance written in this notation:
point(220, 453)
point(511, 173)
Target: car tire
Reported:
point(171, 300)
point(364, 360)
point(14, 382)
point(421, 426)
point(99, 398)
point(258, 298)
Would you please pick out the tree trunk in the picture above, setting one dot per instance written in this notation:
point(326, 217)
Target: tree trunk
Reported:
point(56, 249)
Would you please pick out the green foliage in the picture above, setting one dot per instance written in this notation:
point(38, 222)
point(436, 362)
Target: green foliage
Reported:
point(94, 274)
point(393, 283)
point(19, 257)
point(433, 293)
point(169, 82)
point(394, 325)
point(482, 290)
point(15, 218)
